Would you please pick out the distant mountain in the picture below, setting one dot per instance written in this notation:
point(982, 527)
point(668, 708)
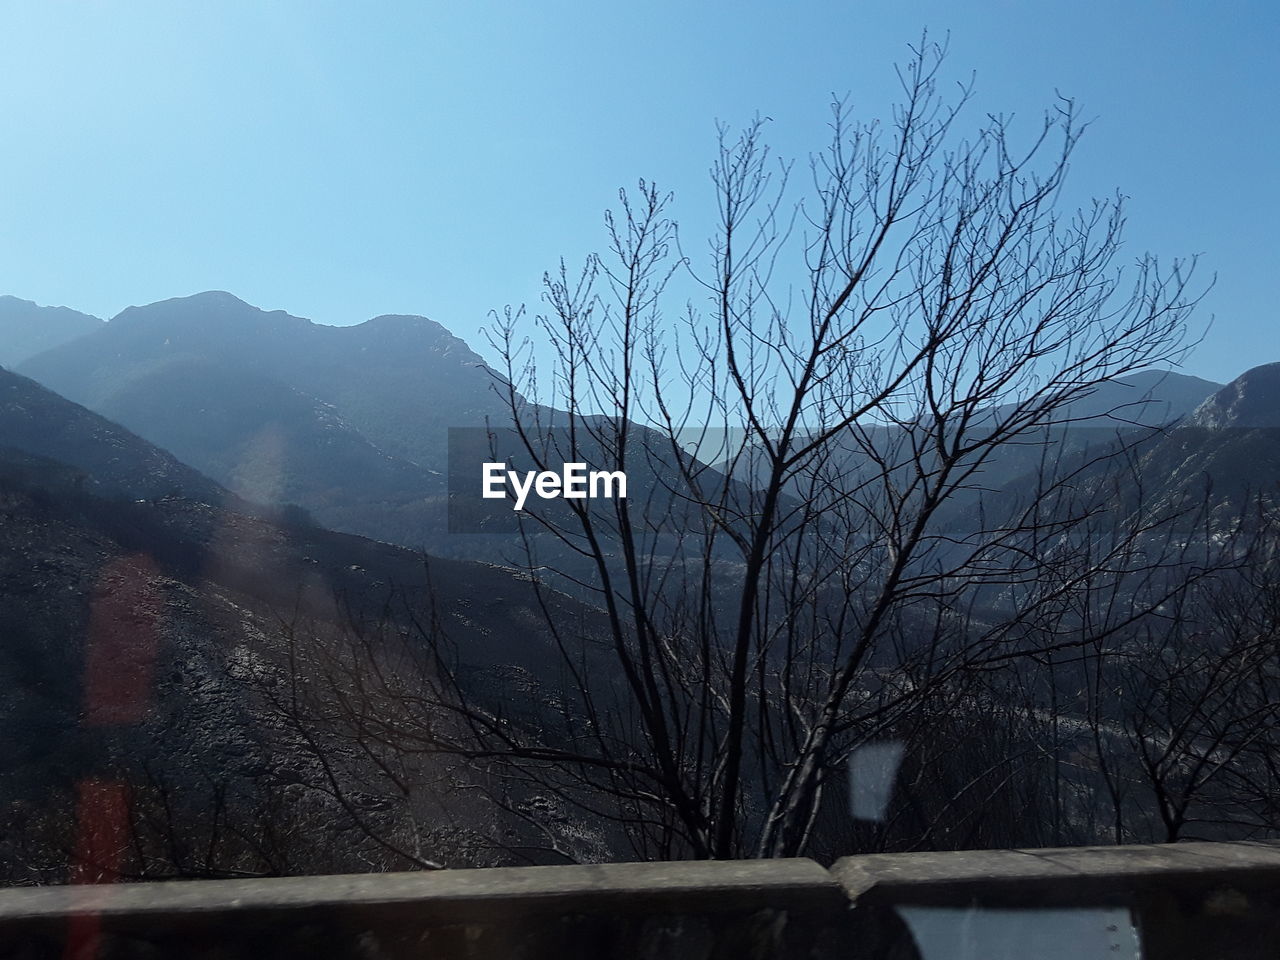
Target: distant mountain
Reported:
point(1150, 398)
point(266, 440)
point(349, 422)
point(1114, 411)
point(1249, 402)
point(27, 328)
point(1222, 455)
point(402, 381)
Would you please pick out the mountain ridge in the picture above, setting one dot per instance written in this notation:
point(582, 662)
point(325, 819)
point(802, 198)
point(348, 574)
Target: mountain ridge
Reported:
point(27, 328)
point(1250, 401)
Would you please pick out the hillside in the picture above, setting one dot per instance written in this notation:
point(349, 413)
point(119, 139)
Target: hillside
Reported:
point(38, 421)
point(1230, 445)
point(137, 601)
point(132, 491)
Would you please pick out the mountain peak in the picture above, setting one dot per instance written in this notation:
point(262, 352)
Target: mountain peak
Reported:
point(402, 319)
point(202, 309)
point(1251, 401)
point(408, 324)
point(217, 298)
point(207, 300)
point(412, 333)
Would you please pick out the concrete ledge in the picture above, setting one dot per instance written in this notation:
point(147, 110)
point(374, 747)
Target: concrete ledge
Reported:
point(1187, 901)
point(1209, 901)
point(1055, 876)
point(449, 895)
point(690, 909)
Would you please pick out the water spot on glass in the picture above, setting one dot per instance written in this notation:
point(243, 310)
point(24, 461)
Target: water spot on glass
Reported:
point(873, 768)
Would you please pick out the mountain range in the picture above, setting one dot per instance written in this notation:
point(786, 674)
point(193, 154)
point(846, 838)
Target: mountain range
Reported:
point(348, 422)
point(351, 423)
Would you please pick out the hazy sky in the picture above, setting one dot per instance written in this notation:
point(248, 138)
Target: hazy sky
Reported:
point(342, 160)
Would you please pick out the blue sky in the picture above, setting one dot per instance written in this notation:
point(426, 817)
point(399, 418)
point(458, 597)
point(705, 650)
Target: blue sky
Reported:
point(342, 160)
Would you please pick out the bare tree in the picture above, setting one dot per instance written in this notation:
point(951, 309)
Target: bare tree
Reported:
point(883, 352)
point(879, 346)
point(1198, 694)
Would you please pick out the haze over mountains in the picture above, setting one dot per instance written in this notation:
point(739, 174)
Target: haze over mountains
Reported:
point(348, 422)
point(351, 422)
point(80, 465)
point(114, 461)
point(390, 376)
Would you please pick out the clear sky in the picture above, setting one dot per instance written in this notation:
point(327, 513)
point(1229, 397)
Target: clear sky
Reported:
point(342, 160)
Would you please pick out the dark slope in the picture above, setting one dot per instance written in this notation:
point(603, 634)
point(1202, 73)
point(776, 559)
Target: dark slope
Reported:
point(27, 328)
point(131, 631)
point(128, 624)
point(76, 570)
point(39, 421)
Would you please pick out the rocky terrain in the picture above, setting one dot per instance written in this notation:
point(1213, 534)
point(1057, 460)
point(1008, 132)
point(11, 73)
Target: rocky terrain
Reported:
point(141, 604)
